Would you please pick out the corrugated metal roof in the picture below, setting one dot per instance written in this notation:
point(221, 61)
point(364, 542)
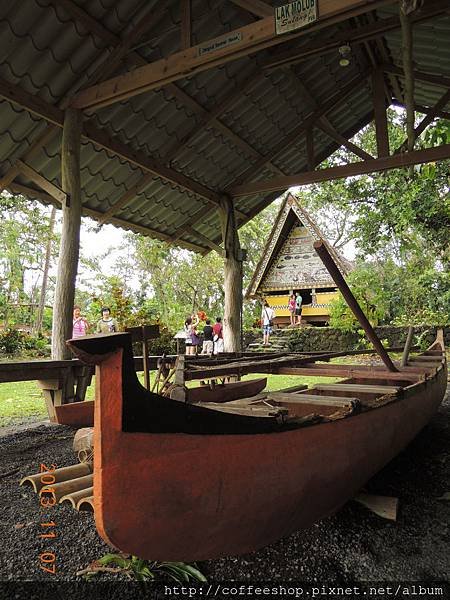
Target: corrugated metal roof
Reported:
point(51, 54)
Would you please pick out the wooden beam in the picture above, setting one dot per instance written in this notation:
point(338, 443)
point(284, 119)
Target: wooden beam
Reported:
point(185, 24)
point(293, 137)
point(435, 79)
point(70, 235)
point(379, 105)
point(353, 35)
point(108, 66)
point(196, 234)
point(255, 7)
point(233, 45)
point(359, 168)
point(407, 58)
point(422, 109)
point(343, 141)
point(42, 182)
point(430, 116)
point(102, 140)
point(16, 188)
point(126, 198)
point(323, 122)
point(310, 148)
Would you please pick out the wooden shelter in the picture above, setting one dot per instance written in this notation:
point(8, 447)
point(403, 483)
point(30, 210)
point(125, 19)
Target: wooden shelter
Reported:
point(183, 119)
point(290, 264)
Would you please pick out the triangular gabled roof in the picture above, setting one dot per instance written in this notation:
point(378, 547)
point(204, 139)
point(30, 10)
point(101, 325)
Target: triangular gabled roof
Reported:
point(282, 234)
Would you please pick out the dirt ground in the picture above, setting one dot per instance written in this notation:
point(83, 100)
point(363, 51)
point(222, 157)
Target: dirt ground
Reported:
point(354, 545)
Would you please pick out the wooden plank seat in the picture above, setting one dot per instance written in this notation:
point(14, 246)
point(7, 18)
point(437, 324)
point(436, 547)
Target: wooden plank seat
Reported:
point(316, 399)
point(357, 388)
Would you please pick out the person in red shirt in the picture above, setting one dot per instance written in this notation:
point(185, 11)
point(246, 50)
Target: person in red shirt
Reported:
point(218, 335)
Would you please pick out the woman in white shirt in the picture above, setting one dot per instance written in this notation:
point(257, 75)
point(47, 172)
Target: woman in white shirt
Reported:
point(267, 317)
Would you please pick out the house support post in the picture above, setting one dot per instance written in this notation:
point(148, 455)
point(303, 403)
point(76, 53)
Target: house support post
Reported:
point(233, 276)
point(70, 235)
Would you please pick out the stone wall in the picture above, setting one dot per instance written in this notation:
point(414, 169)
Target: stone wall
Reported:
point(333, 340)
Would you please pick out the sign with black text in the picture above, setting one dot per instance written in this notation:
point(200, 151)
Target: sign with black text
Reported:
point(295, 15)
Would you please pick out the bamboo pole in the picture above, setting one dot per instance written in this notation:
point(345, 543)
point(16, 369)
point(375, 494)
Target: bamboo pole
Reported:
point(322, 250)
point(70, 235)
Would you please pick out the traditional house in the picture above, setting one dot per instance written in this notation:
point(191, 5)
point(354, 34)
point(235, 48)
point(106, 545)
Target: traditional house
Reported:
point(289, 264)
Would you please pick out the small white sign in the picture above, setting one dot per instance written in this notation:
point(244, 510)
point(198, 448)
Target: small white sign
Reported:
point(295, 15)
point(219, 43)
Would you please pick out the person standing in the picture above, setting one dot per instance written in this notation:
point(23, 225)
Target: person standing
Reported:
point(218, 336)
point(191, 338)
point(80, 325)
point(208, 338)
point(106, 324)
point(291, 308)
point(298, 308)
point(267, 317)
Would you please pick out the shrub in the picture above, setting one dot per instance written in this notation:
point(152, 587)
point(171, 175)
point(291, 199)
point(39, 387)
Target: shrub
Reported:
point(12, 342)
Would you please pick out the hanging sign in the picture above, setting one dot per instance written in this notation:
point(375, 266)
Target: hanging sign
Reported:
point(219, 43)
point(295, 15)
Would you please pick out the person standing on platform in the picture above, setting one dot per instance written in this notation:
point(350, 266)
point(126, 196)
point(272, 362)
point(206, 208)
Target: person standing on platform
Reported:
point(80, 325)
point(191, 335)
point(218, 336)
point(267, 317)
point(298, 308)
point(291, 308)
point(208, 338)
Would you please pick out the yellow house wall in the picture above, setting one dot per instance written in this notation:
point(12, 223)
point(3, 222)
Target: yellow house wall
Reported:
point(280, 304)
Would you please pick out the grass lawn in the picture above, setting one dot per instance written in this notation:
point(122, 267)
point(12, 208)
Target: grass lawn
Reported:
point(22, 400)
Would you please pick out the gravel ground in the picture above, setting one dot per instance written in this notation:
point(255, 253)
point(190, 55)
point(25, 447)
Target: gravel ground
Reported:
point(353, 545)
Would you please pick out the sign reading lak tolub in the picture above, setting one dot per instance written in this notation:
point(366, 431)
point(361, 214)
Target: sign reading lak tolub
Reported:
point(295, 15)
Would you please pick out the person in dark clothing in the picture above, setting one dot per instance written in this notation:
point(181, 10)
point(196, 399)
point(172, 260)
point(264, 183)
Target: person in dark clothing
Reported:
point(208, 338)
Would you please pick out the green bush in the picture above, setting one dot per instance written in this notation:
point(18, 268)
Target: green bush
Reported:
point(12, 342)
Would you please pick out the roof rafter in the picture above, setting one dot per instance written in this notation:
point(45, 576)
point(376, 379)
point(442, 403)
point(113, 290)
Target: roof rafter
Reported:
point(427, 120)
point(360, 168)
point(246, 40)
point(255, 7)
point(337, 98)
point(101, 139)
point(321, 110)
point(99, 30)
point(17, 188)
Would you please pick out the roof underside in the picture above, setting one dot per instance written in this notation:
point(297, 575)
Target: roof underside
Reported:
point(51, 54)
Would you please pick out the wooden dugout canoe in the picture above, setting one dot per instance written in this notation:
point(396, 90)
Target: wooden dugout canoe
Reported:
point(173, 481)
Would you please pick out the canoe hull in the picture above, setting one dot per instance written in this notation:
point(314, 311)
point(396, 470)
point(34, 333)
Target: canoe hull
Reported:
point(77, 414)
point(205, 496)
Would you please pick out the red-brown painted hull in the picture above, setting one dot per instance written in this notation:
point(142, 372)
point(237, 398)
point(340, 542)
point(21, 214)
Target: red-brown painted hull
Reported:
point(226, 392)
point(77, 414)
point(193, 497)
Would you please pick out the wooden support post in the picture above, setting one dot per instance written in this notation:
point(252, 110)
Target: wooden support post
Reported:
point(379, 105)
point(336, 275)
point(310, 148)
point(178, 391)
point(70, 236)
point(407, 347)
point(407, 55)
point(185, 24)
point(233, 277)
